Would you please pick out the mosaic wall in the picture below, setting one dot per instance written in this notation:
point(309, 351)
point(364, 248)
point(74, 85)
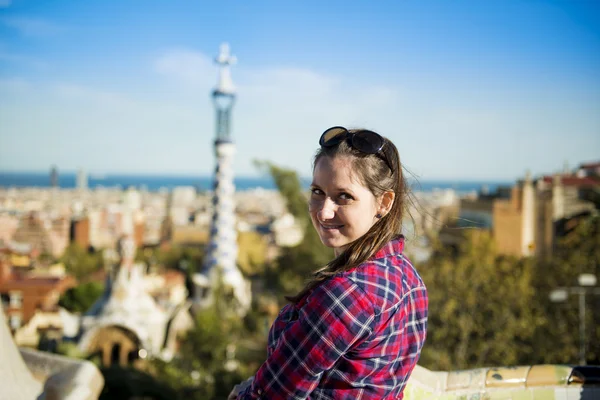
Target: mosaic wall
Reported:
point(538, 382)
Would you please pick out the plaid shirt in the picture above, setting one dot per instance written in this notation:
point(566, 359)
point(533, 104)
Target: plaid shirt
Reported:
point(356, 336)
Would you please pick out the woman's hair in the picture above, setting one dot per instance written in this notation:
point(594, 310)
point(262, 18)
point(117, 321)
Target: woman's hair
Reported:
point(373, 172)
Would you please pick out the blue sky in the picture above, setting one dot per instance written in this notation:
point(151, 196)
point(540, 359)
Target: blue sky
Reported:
point(481, 90)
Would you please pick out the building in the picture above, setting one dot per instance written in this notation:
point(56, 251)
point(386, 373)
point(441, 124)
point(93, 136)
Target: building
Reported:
point(527, 218)
point(540, 211)
point(132, 199)
point(25, 294)
point(54, 177)
point(139, 230)
point(513, 220)
point(82, 179)
point(591, 169)
point(8, 227)
point(126, 324)
point(455, 215)
point(45, 235)
point(80, 232)
point(222, 251)
point(287, 231)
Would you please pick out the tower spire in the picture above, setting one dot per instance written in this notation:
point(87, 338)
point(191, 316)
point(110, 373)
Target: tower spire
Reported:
point(221, 252)
point(224, 94)
point(224, 60)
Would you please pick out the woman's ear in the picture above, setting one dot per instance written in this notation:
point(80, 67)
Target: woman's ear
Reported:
point(385, 202)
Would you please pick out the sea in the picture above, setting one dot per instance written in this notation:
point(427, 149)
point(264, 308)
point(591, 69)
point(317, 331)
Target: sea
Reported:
point(204, 183)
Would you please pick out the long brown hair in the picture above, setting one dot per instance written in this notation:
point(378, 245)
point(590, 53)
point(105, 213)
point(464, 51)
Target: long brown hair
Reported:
point(375, 174)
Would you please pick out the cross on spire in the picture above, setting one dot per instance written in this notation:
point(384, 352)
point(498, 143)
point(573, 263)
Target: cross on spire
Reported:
point(224, 60)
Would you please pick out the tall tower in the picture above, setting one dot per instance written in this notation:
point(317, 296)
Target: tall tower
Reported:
point(221, 252)
point(82, 179)
point(528, 218)
point(54, 177)
point(558, 198)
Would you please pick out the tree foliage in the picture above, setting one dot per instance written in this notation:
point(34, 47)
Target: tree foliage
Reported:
point(172, 257)
point(128, 383)
point(252, 250)
point(213, 358)
point(295, 264)
point(79, 262)
point(479, 307)
point(81, 297)
point(557, 340)
point(289, 187)
point(491, 310)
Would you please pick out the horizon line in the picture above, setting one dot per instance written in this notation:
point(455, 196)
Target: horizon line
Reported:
point(95, 175)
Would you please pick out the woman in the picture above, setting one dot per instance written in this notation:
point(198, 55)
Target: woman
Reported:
point(356, 330)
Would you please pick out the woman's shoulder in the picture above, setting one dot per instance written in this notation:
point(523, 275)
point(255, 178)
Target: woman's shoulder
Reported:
point(341, 296)
point(388, 275)
point(391, 259)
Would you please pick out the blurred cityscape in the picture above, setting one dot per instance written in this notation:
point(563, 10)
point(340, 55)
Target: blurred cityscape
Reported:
point(67, 287)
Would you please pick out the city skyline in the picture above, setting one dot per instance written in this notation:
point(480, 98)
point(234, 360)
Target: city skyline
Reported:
point(468, 90)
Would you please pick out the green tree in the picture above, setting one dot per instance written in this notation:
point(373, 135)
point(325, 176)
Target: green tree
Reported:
point(295, 264)
point(81, 297)
point(79, 262)
point(172, 257)
point(211, 358)
point(480, 310)
point(557, 340)
point(252, 250)
point(289, 186)
point(70, 349)
point(128, 383)
point(46, 258)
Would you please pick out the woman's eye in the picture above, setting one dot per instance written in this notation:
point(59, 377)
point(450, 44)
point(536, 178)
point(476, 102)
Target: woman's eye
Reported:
point(346, 196)
point(316, 191)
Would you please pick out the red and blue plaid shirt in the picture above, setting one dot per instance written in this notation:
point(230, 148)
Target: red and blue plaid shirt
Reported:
point(356, 336)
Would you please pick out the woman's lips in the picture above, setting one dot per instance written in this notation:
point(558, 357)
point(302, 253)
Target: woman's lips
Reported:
point(330, 226)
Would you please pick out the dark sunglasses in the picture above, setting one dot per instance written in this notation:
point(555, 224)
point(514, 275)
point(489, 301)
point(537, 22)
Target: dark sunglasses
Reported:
point(365, 141)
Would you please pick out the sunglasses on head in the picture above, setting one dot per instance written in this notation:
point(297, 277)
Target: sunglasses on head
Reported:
point(365, 141)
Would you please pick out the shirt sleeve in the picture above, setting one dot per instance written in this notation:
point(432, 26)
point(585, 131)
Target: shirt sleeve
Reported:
point(337, 315)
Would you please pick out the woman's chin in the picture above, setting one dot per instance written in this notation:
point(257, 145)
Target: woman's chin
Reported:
point(333, 243)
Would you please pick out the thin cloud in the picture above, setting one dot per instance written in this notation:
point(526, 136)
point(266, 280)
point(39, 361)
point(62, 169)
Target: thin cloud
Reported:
point(32, 27)
point(279, 114)
point(93, 96)
point(278, 110)
point(186, 66)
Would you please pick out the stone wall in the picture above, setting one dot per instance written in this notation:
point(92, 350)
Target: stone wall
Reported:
point(28, 374)
point(538, 382)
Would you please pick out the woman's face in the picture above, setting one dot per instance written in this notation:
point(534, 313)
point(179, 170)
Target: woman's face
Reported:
point(341, 208)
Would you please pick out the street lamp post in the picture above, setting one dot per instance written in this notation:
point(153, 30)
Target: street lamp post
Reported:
point(587, 283)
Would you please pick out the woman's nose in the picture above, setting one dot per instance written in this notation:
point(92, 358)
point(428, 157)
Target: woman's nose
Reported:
point(327, 210)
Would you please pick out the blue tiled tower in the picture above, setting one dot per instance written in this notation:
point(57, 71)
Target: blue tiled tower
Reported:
point(221, 252)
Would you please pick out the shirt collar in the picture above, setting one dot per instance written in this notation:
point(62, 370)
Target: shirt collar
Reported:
point(394, 246)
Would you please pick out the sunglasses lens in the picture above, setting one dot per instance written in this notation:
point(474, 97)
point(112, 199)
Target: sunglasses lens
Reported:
point(332, 136)
point(367, 142)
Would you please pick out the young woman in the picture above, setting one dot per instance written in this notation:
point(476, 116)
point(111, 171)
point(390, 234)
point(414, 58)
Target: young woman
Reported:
point(356, 330)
